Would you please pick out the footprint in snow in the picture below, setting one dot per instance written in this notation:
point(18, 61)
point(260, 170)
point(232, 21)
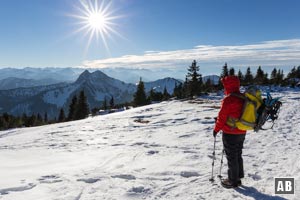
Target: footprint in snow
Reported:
point(49, 179)
point(17, 189)
point(89, 180)
point(139, 190)
point(64, 126)
point(152, 152)
point(188, 174)
point(196, 120)
point(188, 151)
point(255, 176)
point(124, 176)
point(207, 122)
point(155, 145)
point(115, 145)
point(186, 135)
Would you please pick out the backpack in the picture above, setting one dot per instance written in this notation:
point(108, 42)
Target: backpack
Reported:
point(256, 111)
point(249, 116)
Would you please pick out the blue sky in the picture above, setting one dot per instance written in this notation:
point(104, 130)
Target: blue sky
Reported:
point(153, 34)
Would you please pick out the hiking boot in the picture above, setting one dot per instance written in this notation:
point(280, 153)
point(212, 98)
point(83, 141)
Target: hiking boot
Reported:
point(226, 183)
point(239, 183)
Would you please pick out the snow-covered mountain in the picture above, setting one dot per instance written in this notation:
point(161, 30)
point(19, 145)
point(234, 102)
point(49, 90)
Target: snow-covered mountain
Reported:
point(160, 151)
point(161, 84)
point(97, 86)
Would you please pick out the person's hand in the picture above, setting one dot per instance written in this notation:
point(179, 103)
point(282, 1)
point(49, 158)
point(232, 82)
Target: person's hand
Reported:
point(215, 118)
point(215, 133)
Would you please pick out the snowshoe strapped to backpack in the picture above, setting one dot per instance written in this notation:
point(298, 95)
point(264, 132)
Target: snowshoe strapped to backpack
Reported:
point(268, 112)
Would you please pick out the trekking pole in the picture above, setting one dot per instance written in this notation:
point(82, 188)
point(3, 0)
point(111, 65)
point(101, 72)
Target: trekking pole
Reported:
point(220, 173)
point(213, 162)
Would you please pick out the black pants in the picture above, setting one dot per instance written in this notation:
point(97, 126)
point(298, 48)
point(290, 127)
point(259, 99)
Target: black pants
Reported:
point(233, 145)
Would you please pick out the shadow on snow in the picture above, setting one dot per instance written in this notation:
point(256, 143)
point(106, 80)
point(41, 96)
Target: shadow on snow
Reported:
point(252, 192)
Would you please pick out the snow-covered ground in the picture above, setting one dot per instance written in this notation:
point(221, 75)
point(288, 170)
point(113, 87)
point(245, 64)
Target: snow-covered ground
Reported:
point(161, 151)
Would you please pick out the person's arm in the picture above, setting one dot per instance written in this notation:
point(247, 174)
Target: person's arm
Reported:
point(222, 117)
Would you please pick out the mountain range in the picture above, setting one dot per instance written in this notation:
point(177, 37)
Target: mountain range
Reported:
point(51, 98)
point(13, 83)
point(11, 78)
point(52, 75)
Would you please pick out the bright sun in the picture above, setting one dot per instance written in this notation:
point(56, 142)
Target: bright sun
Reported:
point(96, 20)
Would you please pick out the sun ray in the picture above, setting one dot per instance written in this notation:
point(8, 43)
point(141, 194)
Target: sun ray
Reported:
point(89, 41)
point(96, 20)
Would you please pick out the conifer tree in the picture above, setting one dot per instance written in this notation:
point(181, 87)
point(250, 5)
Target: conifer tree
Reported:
point(32, 120)
point(178, 91)
point(208, 85)
point(260, 76)
point(273, 76)
point(241, 77)
point(279, 77)
point(225, 71)
point(248, 77)
point(292, 73)
point(104, 105)
point(155, 96)
point(46, 117)
point(140, 98)
point(72, 108)
point(266, 80)
point(194, 80)
point(166, 95)
point(112, 103)
point(152, 95)
point(292, 76)
point(298, 72)
point(39, 120)
point(3, 123)
point(61, 117)
point(82, 110)
point(25, 120)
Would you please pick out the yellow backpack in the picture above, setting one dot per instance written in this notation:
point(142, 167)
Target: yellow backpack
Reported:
point(248, 118)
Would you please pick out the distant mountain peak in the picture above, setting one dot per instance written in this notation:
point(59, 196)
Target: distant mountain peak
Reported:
point(88, 76)
point(99, 74)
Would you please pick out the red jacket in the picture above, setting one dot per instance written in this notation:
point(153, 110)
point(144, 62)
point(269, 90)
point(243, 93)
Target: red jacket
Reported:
point(231, 106)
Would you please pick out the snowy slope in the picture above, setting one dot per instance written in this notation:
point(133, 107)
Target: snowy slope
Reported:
point(160, 151)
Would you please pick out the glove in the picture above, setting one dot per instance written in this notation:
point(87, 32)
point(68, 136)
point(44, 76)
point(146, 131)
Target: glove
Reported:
point(215, 118)
point(215, 133)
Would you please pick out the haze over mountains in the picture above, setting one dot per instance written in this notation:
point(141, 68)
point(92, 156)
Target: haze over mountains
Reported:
point(53, 75)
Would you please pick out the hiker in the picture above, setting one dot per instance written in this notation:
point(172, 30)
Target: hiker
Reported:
point(233, 138)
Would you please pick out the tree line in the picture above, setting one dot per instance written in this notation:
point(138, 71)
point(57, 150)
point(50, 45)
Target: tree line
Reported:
point(193, 85)
point(78, 109)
